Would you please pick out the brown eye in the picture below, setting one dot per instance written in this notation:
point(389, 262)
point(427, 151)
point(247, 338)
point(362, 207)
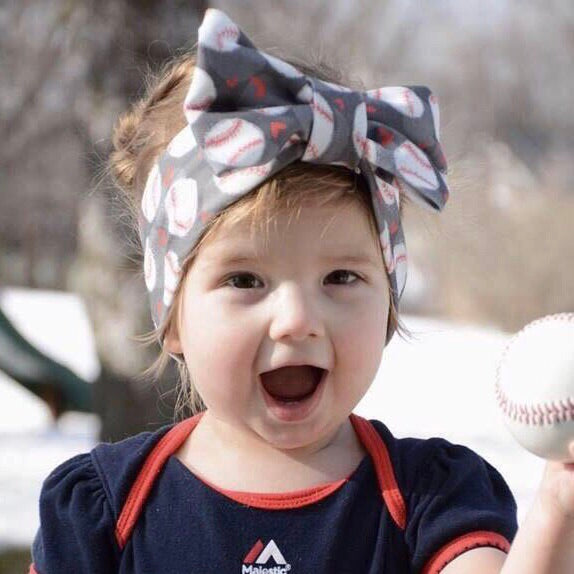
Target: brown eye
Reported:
point(342, 275)
point(241, 280)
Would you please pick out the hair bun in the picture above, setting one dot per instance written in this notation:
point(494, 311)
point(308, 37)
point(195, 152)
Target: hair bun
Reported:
point(123, 159)
point(143, 132)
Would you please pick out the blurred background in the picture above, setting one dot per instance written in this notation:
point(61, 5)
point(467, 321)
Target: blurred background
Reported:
point(72, 294)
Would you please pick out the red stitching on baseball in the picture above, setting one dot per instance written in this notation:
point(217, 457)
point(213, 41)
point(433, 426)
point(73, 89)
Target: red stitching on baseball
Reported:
point(243, 148)
point(256, 169)
point(385, 190)
point(226, 135)
point(311, 147)
point(363, 144)
point(321, 111)
point(400, 258)
point(181, 226)
point(173, 264)
point(538, 414)
point(547, 413)
point(229, 32)
point(413, 152)
point(409, 171)
point(200, 105)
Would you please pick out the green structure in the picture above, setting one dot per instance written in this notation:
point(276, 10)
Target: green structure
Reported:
point(61, 388)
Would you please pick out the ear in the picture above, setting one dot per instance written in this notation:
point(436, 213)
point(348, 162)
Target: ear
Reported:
point(172, 342)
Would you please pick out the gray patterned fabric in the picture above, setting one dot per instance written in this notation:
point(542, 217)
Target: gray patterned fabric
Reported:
point(249, 115)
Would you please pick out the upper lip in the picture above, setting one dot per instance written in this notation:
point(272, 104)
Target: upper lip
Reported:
point(294, 364)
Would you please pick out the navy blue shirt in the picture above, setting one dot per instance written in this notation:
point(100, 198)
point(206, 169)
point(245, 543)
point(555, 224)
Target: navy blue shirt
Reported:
point(443, 499)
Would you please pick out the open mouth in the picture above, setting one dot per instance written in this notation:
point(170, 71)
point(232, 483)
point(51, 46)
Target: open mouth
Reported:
point(292, 384)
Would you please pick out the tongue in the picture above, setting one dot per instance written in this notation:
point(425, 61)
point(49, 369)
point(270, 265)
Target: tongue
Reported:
point(291, 383)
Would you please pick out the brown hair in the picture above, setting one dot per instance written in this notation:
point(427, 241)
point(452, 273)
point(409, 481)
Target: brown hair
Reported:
point(144, 132)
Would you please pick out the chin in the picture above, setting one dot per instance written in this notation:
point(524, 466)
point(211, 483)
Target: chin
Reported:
point(295, 438)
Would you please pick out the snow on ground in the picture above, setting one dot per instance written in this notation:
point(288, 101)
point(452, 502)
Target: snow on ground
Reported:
point(438, 384)
point(31, 445)
point(28, 453)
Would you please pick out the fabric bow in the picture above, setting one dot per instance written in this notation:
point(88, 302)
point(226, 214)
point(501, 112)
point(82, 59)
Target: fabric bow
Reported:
point(250, 114)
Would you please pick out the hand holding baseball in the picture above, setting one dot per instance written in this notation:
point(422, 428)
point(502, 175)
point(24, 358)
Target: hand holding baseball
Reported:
point(535, 387)
point(535, 393)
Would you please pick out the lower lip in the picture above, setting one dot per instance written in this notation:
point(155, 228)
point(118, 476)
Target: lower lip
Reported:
point(295, 410)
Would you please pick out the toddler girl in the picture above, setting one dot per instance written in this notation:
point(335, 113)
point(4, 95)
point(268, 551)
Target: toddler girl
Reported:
point(274, 259)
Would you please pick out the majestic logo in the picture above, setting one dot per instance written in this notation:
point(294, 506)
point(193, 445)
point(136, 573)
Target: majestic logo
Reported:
point(261, 555)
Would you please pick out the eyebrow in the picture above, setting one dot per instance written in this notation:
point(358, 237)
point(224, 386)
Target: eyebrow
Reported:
point(234, 259)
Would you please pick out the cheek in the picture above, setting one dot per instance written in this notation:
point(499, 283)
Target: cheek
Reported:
point(362, 337)
point(208, 323)
point(217, 350)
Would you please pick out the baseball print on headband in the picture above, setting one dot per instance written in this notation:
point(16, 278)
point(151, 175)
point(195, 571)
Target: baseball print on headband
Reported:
point(250, 115)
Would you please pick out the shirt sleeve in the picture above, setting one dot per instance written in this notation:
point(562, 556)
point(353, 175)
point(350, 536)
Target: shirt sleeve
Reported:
point(457, 502)
point(76, 531)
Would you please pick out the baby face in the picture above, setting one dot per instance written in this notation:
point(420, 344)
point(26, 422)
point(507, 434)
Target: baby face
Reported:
point(311, 291)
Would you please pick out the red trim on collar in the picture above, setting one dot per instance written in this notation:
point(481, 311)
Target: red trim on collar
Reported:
point(384, 469)
point(176, 436)
point(281, 500)
point(153, 464)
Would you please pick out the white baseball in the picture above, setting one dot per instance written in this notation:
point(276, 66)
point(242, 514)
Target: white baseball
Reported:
point(282, 67)
point(200, 95)
point(152, 193)
point(361, 142)
point(389, 193)
point(435, 114)
point(238, 181)
point(171, 275)
point(181, 206)
point(337, 87)
point(322, 131)
point(385, 239)
point(414, 166)
point(535, 386)
point(400, 255)
point(234, 142)
point(149, 267)
point(273, 111)
point(182, 143)
point(403, 99)
point(218, 31)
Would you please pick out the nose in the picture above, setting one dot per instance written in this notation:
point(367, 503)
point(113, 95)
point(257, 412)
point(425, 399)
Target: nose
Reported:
point(295, 314)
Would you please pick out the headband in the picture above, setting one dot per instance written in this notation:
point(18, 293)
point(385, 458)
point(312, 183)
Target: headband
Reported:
point(249, 115)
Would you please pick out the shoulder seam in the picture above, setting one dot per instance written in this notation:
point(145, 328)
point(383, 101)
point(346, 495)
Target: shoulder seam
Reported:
point(103, 480)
